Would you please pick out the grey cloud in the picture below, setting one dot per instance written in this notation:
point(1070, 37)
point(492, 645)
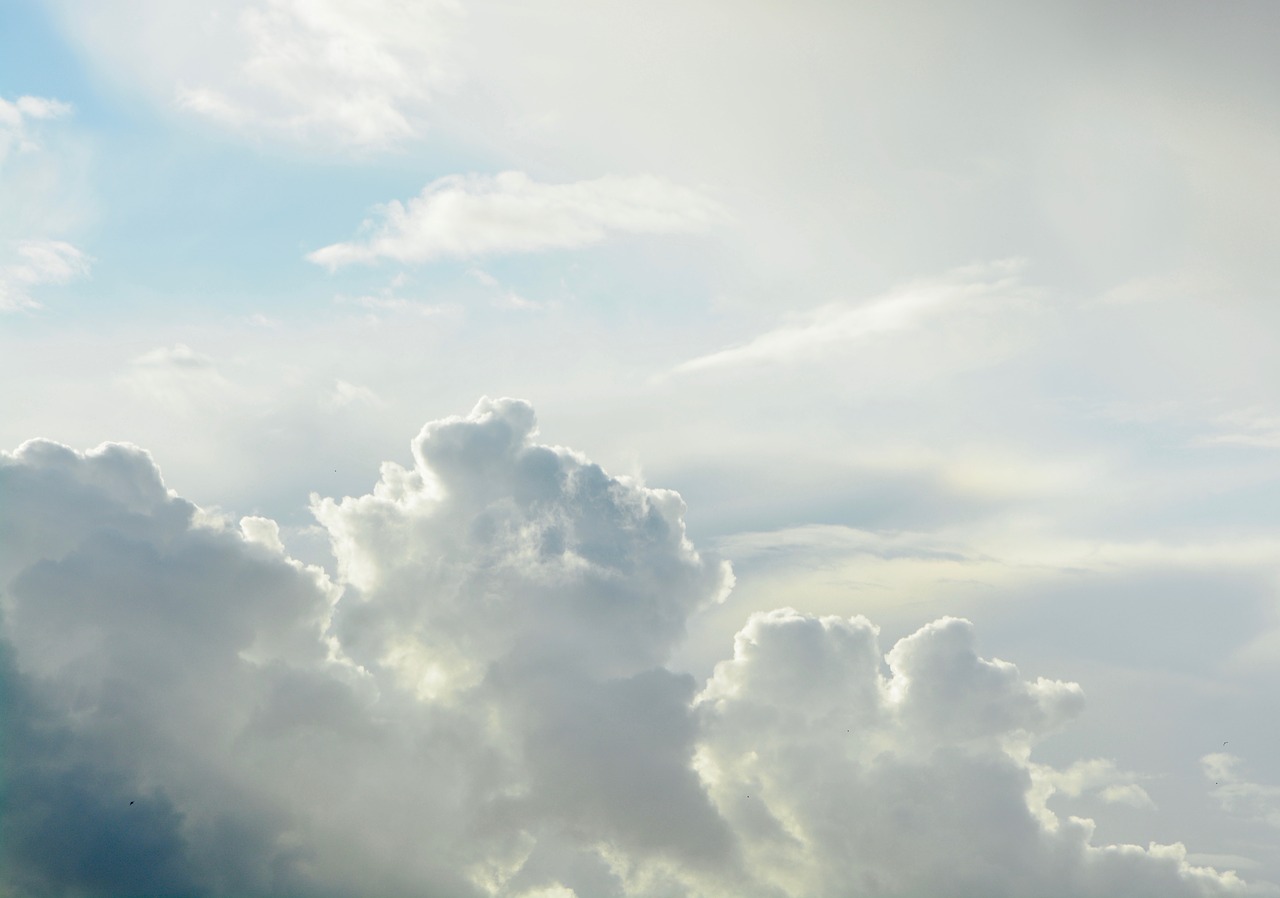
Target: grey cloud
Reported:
point(142, 632)
point(68, 824)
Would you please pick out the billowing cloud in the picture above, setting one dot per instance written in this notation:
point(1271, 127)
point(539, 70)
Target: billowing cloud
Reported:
point(477, 215)
point(479, 702)
point(842, 777)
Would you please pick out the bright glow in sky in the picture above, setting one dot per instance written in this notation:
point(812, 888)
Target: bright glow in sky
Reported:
point(900, 515)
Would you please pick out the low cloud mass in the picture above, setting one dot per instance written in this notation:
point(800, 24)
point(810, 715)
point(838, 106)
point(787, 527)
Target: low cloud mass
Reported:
point(478, 703)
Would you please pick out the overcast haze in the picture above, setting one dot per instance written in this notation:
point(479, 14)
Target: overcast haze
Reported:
point(701, 449)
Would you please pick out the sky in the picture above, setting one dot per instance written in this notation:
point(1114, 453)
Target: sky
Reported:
point(604, 450)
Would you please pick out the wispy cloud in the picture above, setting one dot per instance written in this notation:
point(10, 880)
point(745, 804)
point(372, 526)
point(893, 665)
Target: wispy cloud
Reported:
point(34, 263)
point(16, 117)
point(843, 323)
point(1245, 427)
point(354, 75)
point(476, 215)
point(178, 377)
point(1238, 795)
point(346, 394)
point(27, 264)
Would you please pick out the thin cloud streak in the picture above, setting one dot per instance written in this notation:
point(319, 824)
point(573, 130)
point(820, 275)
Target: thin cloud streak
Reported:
point(841, 323)
point(468, 216)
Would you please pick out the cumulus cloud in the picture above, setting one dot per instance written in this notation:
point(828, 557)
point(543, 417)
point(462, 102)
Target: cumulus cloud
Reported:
point(480, 703)
point(477, 215)
point(842, 776)
point(33, 263)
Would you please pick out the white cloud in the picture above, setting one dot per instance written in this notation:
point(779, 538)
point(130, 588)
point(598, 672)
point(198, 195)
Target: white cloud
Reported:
point(178, 377)
point(1237, 794)
point(1245, 427)
point(388, 299)
point(34, 263)
point(321, 72)
point(16, 116)
point(840, 779)
point(346, 393)
point(42, 107)
point(504, 298)
point(28, 207)
point(1100, 776)
point(479, 704)
point(840, 324)
point(477, 215)
point(180, 355)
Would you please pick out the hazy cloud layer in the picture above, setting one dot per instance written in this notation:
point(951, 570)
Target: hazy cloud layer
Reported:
point(476, 215)
point(479, 704)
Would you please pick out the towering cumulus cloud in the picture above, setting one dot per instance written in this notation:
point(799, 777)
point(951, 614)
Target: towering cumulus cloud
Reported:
point(479, 704)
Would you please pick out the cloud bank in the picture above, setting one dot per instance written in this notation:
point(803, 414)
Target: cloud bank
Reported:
point(476, 215)
point(478, 703)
